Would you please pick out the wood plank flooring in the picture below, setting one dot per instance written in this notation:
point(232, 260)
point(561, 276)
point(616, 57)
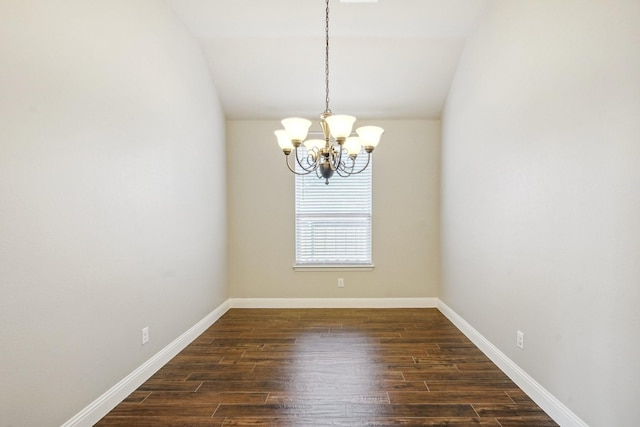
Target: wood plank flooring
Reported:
point(338, 367)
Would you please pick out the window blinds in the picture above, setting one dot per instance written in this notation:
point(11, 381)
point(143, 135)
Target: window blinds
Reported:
point(333, 222)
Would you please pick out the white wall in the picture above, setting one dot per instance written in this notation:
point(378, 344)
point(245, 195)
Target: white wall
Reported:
point(112, 198)
point(541, 197)
point(405, 217)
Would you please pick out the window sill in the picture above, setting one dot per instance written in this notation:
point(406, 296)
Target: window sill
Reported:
point(337, 267)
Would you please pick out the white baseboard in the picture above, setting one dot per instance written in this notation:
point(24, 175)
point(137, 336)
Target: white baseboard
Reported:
point(552, 406)
point(334, 302)
point(109, 400)
point(116, 394)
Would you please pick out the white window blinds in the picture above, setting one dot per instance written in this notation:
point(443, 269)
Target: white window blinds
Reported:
point(333, 222)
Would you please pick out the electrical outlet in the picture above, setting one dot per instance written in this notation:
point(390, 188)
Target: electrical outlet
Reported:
point(520, 340)
point(341, 282)
point(145, 335)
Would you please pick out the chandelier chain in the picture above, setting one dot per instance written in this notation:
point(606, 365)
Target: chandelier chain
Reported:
point(326, 60)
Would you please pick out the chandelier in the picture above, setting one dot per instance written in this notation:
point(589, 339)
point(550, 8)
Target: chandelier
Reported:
point(337, 152)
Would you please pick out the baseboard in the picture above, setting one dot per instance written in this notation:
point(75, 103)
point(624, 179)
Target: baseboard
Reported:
point(333, 302)
point(552, 406)
point(109, 400)
point(112, 397)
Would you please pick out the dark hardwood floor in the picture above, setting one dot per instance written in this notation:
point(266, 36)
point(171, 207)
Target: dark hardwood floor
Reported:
point(339, 367)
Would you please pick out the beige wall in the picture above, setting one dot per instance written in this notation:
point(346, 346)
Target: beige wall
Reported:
point(541, 197)
point(112, 198)
point(405, 217)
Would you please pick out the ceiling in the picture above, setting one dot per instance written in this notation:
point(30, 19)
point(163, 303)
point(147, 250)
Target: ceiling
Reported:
point(393, 59)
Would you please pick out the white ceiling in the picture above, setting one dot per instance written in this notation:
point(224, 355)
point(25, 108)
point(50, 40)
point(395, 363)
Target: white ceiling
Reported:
point(390, 59)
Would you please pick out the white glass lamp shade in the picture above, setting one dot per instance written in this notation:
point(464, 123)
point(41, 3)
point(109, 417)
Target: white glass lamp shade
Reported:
point(296, 128)
point(283, 140)
point(370, 135)
point(353, 145)
point(310, 144)
point(340, 126)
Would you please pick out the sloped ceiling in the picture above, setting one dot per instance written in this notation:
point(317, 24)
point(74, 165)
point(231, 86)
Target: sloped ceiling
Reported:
point(392, 59)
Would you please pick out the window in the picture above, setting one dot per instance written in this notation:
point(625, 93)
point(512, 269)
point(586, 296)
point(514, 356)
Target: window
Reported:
point(333, 222)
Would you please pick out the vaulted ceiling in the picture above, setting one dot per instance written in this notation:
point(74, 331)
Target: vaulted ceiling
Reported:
point(390, 59)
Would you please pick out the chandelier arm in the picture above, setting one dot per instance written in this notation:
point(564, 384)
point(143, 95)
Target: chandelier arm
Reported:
point(310, 166)
point(307, 171)
point(364, 167)
point(343, 170)
point(343, 173)
point(336, 162)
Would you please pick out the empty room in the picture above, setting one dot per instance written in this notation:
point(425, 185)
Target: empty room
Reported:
point(319, 212)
